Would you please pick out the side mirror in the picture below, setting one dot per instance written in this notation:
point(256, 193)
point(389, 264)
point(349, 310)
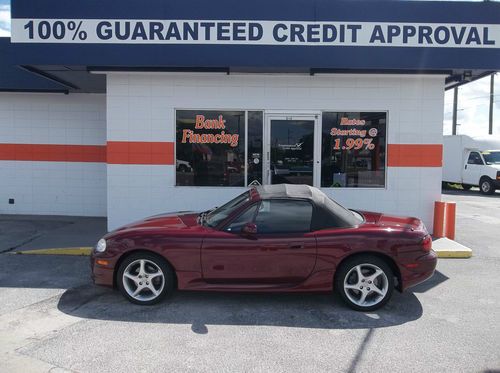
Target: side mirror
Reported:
point(249, 229)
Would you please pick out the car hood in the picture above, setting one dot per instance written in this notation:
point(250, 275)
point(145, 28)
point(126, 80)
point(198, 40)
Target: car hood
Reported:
point(495, 166)
point(173, 220)
point(393, 221)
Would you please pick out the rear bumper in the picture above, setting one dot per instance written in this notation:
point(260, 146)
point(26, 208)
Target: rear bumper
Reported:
point(421, 269)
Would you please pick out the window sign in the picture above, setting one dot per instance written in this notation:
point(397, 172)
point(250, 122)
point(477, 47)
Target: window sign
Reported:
point(353, 149)
point(212, 136)
point(210, 147)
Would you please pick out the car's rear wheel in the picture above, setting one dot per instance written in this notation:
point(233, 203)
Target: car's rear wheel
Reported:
point(365, 282)
point(145, 278)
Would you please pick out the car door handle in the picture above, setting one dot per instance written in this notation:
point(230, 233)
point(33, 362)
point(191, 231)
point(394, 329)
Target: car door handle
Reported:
point(465, 166)
point(296, 246)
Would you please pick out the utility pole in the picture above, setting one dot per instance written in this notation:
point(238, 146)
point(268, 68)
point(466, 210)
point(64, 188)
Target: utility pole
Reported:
point(455, 104)
point(492, 94)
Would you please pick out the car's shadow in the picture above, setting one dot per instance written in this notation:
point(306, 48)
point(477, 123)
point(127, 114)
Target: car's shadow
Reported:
point(202, 310)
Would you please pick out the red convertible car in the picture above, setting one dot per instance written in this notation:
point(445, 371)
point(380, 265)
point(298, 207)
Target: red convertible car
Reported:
point(269, 239)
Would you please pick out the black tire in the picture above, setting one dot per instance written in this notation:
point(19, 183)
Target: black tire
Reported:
point(466, 186)
point(182, 168)
point(168, 277)
point(350, 264)
point(486, 186)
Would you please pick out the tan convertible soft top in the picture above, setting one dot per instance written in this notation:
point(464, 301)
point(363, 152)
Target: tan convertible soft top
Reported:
point(328, 212)
point(291, 191)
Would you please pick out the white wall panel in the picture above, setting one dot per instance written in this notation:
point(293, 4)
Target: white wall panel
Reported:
point(59, 188)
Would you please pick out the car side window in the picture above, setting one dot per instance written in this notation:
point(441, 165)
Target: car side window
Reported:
point(284, 216)
point(245, 217)
point(474, 158)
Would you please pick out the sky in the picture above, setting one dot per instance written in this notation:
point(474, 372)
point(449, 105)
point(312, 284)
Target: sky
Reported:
point(473, 108)
point(4, 18)
point(473, 98)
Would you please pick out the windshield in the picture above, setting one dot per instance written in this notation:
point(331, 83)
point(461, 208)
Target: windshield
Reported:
point(217, 215)
point(491, 157)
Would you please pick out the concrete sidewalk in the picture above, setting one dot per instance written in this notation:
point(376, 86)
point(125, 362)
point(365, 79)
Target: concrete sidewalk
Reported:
point(27, 232)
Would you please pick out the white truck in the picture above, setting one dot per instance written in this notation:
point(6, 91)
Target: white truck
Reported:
point(472, 162)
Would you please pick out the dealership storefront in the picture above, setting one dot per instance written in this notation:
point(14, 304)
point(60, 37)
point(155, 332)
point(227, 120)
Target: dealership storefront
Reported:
point(183, 106)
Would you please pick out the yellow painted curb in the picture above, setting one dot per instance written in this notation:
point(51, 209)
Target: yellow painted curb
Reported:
point(446, 248)
point(454, 254)
point(81, 251)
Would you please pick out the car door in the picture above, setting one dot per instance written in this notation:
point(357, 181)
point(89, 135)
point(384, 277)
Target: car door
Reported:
point(472, 169)
point(283, 251)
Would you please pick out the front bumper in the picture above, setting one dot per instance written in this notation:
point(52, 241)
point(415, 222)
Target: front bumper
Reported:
point(102, 274)
point(422, 269)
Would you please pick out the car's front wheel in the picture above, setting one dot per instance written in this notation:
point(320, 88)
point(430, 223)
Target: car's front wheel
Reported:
point(145, 278)
point(365, 282)
point(486, 186)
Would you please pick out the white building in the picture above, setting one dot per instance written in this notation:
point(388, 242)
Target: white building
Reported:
point(131, 125)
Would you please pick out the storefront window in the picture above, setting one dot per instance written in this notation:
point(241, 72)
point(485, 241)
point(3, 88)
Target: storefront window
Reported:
point(353, 149)
point(210, 148)
point(225, 148)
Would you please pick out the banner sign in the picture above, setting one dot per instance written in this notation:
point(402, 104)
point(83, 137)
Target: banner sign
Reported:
point(236, 32)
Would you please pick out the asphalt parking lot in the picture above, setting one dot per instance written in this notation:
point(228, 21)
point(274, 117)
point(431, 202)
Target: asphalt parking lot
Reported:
point(53, 319)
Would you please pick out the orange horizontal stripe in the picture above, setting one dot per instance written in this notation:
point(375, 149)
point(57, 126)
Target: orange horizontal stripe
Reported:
point(52, 153)
point(115, 152)
point(415, 155)
point(135, 152)
point(129, 152)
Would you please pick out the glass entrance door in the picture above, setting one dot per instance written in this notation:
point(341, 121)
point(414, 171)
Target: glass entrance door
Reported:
point(290, 150)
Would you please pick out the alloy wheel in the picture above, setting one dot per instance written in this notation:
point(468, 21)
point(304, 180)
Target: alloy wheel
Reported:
point(366, 285)
point(143, 280)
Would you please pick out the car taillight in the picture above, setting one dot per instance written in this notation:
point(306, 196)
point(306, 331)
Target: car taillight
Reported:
point(427, 243)
point(498, 175)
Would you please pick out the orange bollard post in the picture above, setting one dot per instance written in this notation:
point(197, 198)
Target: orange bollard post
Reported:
point(439, 209)
point(450, 220)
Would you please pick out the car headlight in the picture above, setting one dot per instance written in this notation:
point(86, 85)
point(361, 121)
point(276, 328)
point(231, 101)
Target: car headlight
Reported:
point(101, 246)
